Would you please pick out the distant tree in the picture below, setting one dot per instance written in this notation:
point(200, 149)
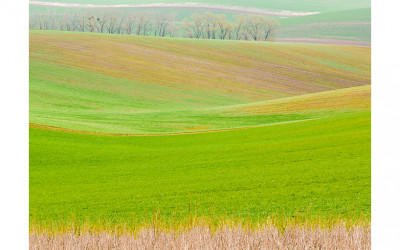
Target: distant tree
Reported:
point(270, 28)
point(238, 27)
point(33, 20)
point(91, 23)
point(72, 24)
point(102, 19)
point(111, 24)
point(255, 26)
point(82, 20)
point(162, 22)
point(142, 23)
point(120, 20)
point(210, 25)
point(64, 22)
point(194, 28)
point(51, 20)
point(224, 26)
point(201, 25)
point(129, 23)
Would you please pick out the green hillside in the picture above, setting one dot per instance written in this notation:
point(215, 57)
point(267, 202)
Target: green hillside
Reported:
point(343, 25)
point(321, 167)
point(135, 85)
point(272, 129)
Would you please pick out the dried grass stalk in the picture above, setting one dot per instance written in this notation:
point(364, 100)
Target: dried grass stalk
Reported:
point(202, 237)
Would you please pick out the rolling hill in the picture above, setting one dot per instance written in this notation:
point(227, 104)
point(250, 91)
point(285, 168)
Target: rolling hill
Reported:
point(285, 129)
point(140, 85)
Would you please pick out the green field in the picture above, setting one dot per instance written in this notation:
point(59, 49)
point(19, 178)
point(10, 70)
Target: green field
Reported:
point(342, 25)
point(112, 84)
point(296, 133)
point(320, 166)
point(294, 5)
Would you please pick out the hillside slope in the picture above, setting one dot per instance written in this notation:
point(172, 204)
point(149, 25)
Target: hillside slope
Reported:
point(354, 25)
point(141, 85)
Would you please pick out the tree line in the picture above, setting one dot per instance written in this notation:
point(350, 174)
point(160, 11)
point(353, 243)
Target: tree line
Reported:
point(201, 25)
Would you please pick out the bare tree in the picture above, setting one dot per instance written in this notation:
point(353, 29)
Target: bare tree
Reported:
point(111, 25)
point(210, 25)
point(82, 20)
point(147, 25)
point(52, 20)
point(120, 24)
point(270, 28)
point(162, 23)
point(91, 23)
point(239, 27)
point(73, 23)
point(129, 23)
point(255, 25)
point(173, 30)
point(33, 20)
point(201, 25)
point(102, 19)
point(141, 23)
point(224, 26)
point(64, 22)
point(194, 28)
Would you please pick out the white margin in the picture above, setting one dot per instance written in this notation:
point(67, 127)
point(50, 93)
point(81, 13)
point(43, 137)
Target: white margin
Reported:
point(14, 104)
point(385, 125)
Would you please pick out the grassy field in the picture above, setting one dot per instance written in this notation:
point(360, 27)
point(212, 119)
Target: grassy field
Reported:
point(299, 5)
point(136, 85)
point(297, 139)
point(320, 166)
point(342, 25)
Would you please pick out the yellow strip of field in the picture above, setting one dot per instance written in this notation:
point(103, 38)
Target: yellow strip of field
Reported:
point(356, 98)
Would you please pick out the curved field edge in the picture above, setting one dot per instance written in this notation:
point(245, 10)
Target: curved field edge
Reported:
point(46, 127)
point(319, 167)
point(138, 85)
point(268, 113)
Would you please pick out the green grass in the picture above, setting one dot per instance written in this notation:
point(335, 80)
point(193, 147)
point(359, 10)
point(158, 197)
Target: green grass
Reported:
point(320, 166)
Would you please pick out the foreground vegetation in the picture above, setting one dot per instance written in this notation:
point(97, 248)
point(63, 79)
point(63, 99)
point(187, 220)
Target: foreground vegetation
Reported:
point(203, 237)
point(320, 167)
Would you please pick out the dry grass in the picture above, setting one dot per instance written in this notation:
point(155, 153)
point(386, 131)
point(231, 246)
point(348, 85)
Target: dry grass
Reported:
point(204, 237)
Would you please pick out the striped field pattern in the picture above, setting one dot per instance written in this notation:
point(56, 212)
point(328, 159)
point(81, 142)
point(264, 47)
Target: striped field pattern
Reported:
point(139, 85)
